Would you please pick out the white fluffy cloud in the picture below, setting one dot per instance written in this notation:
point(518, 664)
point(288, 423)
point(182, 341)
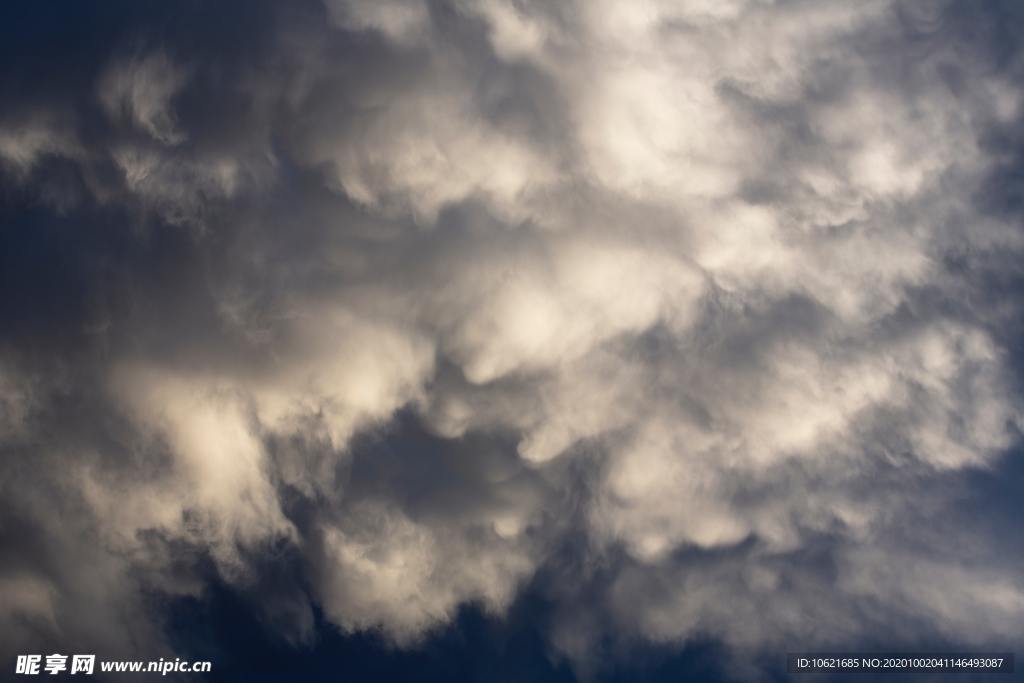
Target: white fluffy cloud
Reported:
point(699, 251)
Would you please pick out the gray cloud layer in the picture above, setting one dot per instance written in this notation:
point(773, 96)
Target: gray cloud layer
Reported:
point(707, 293)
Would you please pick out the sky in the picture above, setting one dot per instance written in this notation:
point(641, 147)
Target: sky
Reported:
point(510, 340)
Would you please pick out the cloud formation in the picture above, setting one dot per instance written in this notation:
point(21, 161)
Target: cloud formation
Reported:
point(714, 297)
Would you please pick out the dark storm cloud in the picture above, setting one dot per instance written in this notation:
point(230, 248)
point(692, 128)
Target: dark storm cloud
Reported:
point(695, 318)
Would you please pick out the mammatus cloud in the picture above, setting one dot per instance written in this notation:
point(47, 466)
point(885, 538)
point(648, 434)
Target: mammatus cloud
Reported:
point(701, 291)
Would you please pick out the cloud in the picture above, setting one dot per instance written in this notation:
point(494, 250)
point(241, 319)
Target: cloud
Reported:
point(399, 20)
point(23, 146)
point(142, 89)
point(420, 295)
point(385, 570)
